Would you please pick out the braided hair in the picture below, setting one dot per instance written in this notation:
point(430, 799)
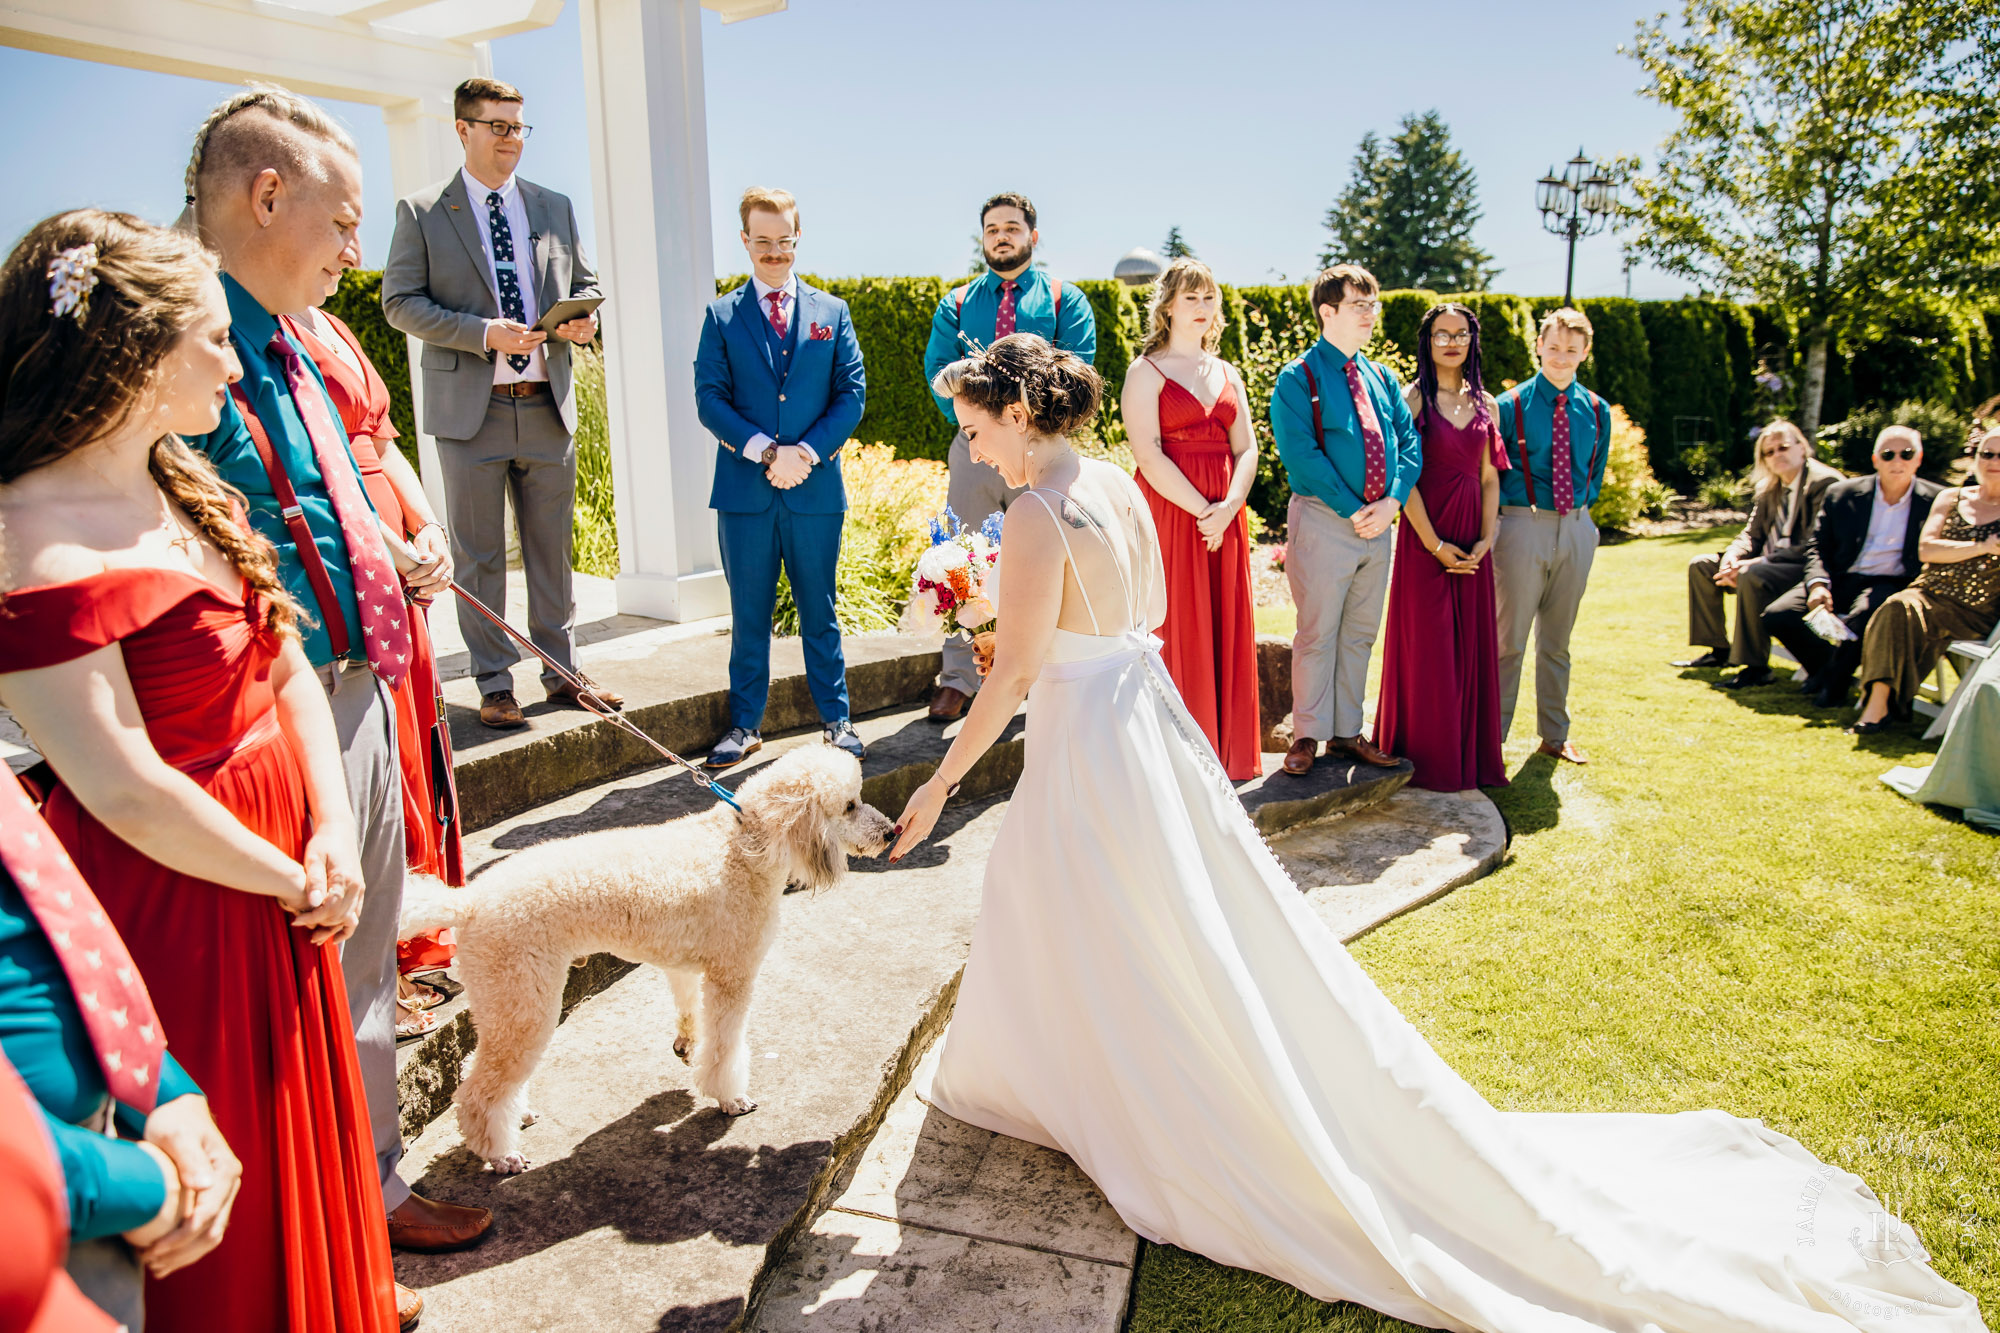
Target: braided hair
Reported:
point(1427, 378)
point(231, 144)
point(71, 379)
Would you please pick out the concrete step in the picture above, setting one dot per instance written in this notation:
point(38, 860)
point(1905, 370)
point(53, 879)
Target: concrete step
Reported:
point(945, 1226)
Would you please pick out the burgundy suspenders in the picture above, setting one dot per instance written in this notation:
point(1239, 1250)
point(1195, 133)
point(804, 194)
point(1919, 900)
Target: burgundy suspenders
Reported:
point(1521, 438)
point(295, 522)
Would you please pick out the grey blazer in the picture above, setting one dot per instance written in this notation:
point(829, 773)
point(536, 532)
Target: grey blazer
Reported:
point(437, 289)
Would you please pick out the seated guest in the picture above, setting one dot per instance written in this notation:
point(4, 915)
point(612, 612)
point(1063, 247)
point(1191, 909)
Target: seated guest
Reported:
point(129, 1198)
point(151, 650)
point(1197, 456)
point(1957, 596)
point(1966, 773)
point(1767, 558)
point(1351, 456)
point(1862, 550)
point(431, 840)
point(778, 381)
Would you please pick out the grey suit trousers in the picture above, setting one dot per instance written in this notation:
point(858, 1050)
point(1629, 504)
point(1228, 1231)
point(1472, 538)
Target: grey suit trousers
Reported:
point(1339, 582)
point(365, 718)
point(1759, 582)
point(522, 452)
point(974, 491)
point(1541, 563)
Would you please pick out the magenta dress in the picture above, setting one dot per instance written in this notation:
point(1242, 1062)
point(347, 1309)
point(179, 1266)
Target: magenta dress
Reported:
point(1440, 704)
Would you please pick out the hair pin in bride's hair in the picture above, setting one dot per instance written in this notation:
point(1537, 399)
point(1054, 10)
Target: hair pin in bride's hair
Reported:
point(973, 346)
point(72, 277)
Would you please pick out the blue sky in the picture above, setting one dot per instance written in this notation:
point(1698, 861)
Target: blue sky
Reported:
point(892, 119)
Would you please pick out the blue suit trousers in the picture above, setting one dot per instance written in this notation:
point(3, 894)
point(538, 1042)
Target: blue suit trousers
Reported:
point(807, 548)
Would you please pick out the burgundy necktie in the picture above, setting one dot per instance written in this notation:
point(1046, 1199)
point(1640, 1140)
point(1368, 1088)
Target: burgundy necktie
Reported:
point(378, 592)
point(1562, 488)
point(1003, 322)
point(1375, 457)
point(778, 325)
point(110, 994)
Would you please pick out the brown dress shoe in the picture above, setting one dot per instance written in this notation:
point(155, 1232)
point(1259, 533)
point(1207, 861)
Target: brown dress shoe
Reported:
point(1564, 751)
point(409, 1308)
point(1299, 759)
point(563, 693)
point(432, 1227)
point(500, 710)
point(947, 704)
point(1363, 749)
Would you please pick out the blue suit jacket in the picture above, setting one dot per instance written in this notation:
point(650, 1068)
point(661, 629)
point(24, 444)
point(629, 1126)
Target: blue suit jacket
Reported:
point(741, 390)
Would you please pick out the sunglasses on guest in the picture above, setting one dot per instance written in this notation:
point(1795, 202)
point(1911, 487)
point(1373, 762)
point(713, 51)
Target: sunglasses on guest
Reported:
point(1987, 455)
point(1905, 454)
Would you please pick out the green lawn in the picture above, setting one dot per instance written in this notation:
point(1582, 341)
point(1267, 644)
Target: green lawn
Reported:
point(1725, 908)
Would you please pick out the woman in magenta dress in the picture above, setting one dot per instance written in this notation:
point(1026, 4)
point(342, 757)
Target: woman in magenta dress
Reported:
point(148, 647)
point(1197, 457)
point(1440, 702)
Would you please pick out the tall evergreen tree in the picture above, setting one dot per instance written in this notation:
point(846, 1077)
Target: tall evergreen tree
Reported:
point(1174, 247)
point(1408, 211)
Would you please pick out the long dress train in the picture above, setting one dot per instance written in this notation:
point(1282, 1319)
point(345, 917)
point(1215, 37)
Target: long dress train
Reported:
point(1149, 993)
point(257, 1012)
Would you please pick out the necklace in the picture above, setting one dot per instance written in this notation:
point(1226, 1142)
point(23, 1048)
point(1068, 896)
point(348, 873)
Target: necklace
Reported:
point(178, 536)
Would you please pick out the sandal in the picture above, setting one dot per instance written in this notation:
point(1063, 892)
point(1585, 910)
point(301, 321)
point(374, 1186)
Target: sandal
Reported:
point(413, 1019)
point(439, 983)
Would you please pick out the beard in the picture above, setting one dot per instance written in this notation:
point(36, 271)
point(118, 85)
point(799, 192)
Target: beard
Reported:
point(1016, 258)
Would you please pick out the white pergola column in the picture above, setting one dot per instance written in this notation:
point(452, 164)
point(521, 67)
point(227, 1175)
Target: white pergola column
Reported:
point(649, 169)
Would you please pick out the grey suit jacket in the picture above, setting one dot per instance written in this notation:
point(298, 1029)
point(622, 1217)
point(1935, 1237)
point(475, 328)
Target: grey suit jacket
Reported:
point(436, 288)
point(1767, 535)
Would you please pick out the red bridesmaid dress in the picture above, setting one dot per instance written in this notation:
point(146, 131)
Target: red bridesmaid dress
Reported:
point(258, 1012)
point(430, 801)
point(1211, 629)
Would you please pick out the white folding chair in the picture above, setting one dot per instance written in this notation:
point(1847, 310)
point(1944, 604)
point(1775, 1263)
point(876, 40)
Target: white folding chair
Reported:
point(1939, 699)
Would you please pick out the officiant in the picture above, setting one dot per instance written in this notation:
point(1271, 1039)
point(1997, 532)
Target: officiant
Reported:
point(1862, 550)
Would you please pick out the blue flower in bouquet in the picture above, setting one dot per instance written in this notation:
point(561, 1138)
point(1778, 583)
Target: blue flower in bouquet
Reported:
point(990, 529)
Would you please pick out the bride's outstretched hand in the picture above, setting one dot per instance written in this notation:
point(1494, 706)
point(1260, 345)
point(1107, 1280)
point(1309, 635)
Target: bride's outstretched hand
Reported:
point(919, 817)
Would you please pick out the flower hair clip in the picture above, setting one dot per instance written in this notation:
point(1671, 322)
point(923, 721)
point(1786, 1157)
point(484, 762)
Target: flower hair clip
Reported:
point(72, 277)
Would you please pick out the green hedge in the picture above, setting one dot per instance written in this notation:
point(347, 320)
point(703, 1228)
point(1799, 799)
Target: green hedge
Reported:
point(1661, 360)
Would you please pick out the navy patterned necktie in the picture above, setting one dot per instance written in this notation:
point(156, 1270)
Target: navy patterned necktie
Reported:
point(507, 275)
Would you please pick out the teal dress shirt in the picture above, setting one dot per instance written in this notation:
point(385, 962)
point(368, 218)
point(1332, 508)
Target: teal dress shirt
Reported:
point(230, 448)
point(1073, 328)
point(1589, 443)
point(113, 1186)
point(1333, 474)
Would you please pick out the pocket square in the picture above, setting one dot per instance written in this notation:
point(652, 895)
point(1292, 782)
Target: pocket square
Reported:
point(820, 333)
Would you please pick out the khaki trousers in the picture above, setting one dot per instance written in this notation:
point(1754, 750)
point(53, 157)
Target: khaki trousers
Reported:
point(1541, 563)
point(1339, 582)
point(974, 491)
point(1759, 583)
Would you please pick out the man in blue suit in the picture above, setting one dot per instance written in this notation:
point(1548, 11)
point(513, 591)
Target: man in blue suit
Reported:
point(778, 380)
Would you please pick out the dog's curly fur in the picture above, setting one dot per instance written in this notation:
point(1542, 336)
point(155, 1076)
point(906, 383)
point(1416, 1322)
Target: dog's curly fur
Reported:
point(697, 897)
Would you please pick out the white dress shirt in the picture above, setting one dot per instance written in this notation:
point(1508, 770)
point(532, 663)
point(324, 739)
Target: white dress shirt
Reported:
point(758, 447)
point(1882, 553)
point(516, 210)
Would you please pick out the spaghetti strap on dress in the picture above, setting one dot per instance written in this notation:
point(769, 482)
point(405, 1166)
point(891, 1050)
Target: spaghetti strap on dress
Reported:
point(258, 1013)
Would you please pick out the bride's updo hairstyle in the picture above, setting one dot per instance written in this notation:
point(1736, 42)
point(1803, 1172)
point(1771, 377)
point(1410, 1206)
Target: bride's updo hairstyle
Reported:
point(91, 305)
point(1058, 389)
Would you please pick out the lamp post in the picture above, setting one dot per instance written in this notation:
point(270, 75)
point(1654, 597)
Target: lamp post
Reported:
point(1580, 202)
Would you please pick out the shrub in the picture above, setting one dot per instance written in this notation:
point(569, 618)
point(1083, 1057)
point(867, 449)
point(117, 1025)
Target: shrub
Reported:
point(1848, 444)
point(1273, 332)
point(890, 502)
point(1121, 331)
point(1402, 312)
point(1934, 352)
point(1506, 336)
point(358, 303)
point(1728, 491)
point(1630, 491)
point(1691, 425)
point(594, 524)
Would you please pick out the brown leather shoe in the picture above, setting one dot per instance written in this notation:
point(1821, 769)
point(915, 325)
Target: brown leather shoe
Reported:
point(1363, 749)
point(432, 1227)
point(947, 704)
point(409, 1308)
point(1299, 759)
point(1563, 750)
point(563, 694)
point(499, 709)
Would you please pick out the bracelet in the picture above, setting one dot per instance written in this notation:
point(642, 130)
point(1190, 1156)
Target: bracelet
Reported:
point(427, 527)
point(952, 790)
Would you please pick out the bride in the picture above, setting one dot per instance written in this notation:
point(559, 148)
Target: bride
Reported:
point(1149, 993)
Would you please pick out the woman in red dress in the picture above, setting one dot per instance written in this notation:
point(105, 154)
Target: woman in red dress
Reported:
point(430, 801)
point(1440, 703)
point(149, 648)
point(1197, 457)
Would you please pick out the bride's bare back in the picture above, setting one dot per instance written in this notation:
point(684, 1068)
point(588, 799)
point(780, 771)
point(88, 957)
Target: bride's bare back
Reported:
point(1112, 566)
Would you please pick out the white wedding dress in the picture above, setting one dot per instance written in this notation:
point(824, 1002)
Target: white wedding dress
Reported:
point(1150, 993)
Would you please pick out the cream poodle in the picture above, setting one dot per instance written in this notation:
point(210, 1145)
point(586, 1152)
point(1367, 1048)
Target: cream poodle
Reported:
point(697, 896)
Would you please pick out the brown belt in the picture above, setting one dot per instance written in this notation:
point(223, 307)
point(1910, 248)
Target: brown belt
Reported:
point(521, 388)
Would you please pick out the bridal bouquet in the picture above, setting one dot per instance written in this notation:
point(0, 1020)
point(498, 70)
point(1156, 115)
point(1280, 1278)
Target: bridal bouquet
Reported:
point(950, 591)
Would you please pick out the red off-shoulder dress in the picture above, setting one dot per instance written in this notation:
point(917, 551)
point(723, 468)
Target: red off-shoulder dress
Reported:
point(430, 803)
point(1211, 629)
point(258, 1012)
